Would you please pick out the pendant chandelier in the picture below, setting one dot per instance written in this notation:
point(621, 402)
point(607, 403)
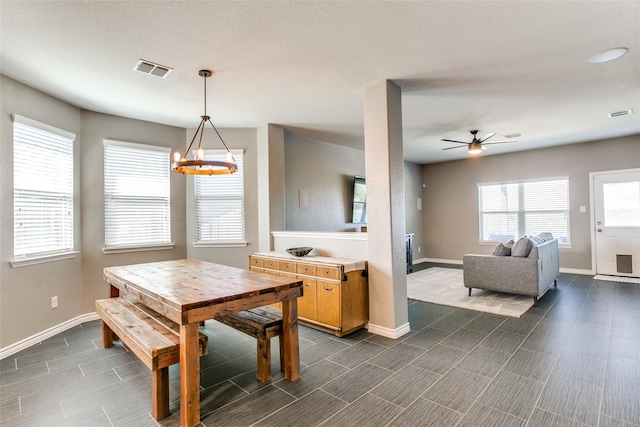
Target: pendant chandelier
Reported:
point(200, 166)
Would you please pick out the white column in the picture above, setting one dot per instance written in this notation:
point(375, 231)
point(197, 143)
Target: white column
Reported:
point(384, 168)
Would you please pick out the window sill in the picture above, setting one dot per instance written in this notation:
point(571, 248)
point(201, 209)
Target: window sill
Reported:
point(125, 249)
point(220, 244)
point(41, 259)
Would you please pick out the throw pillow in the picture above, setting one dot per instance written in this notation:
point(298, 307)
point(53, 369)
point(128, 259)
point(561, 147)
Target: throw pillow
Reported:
point(502, 250)
point(522, 247)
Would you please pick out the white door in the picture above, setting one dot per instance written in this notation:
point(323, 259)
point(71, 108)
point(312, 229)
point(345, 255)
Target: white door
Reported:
point(617, 222)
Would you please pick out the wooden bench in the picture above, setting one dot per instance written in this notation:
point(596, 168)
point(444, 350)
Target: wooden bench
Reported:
point(153, 338)
point(262, 323)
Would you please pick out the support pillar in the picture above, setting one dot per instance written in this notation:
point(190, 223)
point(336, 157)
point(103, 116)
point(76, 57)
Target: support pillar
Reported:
point(384, 168)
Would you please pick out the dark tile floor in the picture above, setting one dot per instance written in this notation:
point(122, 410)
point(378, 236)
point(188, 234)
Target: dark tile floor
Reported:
point(573, 360)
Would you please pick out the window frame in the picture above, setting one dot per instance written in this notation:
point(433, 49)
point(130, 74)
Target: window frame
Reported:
point(220, 154)
point(66, 141)
point(115, 247)
point(521, 212)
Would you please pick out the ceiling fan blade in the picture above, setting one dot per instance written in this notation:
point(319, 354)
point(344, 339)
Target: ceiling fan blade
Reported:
point(451, 140)
point(487, 136)
point(451, 148)
point(500, 142)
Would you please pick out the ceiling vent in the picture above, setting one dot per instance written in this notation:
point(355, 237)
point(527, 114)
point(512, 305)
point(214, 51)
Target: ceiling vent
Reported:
point(613, 114)
point(152, 68)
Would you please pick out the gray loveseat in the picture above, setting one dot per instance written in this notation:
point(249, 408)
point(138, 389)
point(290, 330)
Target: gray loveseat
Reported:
point(529, 275)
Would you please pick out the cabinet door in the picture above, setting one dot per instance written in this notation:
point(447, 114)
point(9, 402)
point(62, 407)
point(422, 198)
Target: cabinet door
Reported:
point(255, 262)
point(307, 303)
point(328, 295)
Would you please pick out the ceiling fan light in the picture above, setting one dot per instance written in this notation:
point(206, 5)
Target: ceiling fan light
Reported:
point(475, 148)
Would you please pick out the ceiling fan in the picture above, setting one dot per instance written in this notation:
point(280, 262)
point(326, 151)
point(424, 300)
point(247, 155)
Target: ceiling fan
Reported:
point(477, 144)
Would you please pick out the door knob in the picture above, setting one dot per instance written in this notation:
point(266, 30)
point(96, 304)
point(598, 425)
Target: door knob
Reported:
point(599, 230)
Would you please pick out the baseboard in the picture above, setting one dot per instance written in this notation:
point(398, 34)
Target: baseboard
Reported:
point(41, 336)
point(389, 333)
point(577, 271)
point(443, 261)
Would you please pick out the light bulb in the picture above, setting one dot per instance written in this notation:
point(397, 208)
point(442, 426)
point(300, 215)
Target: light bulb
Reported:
point(176, 156)
point(199, 154)
point(229, 157)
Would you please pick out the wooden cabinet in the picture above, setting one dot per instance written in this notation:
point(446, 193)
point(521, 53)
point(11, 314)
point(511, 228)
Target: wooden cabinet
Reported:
point(335, 295)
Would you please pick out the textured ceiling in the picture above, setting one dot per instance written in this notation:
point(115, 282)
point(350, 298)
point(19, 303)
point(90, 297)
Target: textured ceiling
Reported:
point(505, 67)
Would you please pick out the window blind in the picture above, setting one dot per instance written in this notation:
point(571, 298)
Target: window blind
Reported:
point(136, 195)
point(42, 188)
point(515, 209)
point(219, 203)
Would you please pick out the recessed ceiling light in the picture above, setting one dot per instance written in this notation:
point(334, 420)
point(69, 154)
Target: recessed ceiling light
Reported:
point(608, 55)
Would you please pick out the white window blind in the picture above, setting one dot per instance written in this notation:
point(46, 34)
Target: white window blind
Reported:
point(516, 209)
point(136, 195)
point(219, 203)
point(42, 188)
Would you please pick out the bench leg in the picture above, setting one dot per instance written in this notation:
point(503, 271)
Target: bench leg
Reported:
point(264, 359)
point(160, 393)
point(281, 353)
point(107, 336)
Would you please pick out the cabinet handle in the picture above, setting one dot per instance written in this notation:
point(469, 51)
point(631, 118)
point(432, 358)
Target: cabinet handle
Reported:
point(327, 289)
point(306, 285)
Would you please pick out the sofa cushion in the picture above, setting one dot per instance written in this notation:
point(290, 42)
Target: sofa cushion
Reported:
point(503, 249)
point(521, 247)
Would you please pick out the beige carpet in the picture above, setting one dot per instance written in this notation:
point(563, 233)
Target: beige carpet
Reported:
point(445, 286)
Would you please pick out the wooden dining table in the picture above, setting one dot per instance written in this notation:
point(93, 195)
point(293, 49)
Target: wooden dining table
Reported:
point(189, 291)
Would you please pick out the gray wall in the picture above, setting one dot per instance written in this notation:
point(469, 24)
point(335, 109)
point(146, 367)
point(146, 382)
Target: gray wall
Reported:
point(450, 197)
point(25, 292)
point(324, 173)
point(414, 218)
point(95, 128)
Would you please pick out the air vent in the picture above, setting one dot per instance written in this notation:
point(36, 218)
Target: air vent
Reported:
point(512, 135)
point(152, 68)
point(613, 114)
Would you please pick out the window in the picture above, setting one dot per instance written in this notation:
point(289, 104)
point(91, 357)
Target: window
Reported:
point(515, 209)
point(42, 189)
point(137, 210)
point(621, 204)
point(219, 204)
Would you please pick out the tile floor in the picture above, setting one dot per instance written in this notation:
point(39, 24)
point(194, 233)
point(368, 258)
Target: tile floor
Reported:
point(573, 360)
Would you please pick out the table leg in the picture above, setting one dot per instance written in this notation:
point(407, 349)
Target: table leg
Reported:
point(290, 339)
point(113, 292)
point(189, 375)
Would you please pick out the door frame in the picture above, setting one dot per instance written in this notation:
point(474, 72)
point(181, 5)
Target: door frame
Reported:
point(592, 209)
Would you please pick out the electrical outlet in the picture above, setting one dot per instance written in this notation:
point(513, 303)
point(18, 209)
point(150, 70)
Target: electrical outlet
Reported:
point(54, 302)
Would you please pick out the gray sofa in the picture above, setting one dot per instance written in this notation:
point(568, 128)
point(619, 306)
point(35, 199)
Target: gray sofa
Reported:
point(529, 275)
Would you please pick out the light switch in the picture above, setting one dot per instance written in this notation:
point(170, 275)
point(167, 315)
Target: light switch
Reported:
point(419, 203)
point(583, 209)
point(303, 199)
